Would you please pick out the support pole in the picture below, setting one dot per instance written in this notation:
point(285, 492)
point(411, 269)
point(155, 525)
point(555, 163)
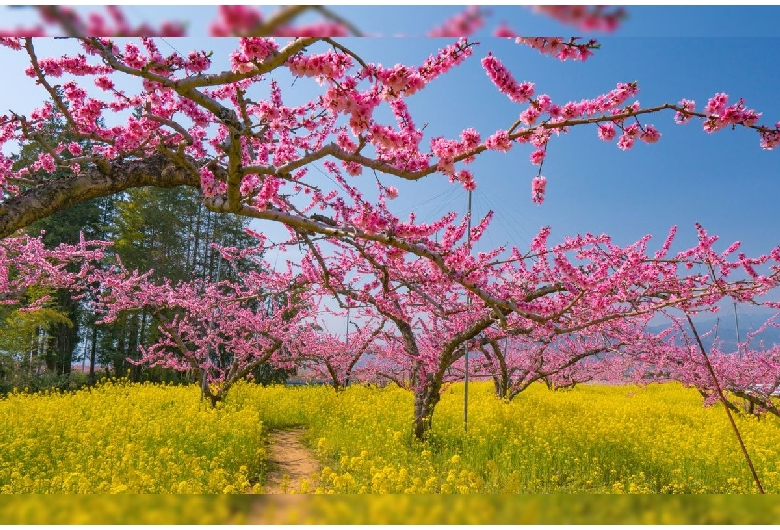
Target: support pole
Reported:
point(466, 361)
point(736, 322)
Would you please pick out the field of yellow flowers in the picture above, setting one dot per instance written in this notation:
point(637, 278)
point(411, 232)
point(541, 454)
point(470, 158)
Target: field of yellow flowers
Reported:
point(120, 437)
point(124, 438)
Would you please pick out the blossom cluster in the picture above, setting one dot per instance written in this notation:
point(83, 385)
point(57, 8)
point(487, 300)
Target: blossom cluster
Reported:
point(557, 47)
point(502, 78)
point(587, 18)
point(462, 24)
point(250, 51)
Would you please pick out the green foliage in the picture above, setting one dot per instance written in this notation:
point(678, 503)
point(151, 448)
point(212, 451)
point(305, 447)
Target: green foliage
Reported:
point(168, 231)
point(267, 374)
point(43, 382)
point(23, 330)
point(165, 230)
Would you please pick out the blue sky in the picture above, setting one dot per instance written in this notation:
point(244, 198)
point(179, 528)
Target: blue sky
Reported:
point(724, 181)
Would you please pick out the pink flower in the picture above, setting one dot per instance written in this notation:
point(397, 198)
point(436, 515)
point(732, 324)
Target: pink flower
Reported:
point(104, 82)
point(683, 116)
point(625, 142)
point(537, 157)
point(240, 63)
point(499, 141)
point(352, 168)
point(464, 23)
point(650, 135)
point(632, 130)
point(74, 148)
point(538, 186)
point(47, 162)
point(207, 182)
point(529, 115)
point(770, 140)
point(502, 78)
point(606, 131)
point(198, 62)
point(717, 104)
point(257, 48)
point(504, 31)
point(392, 192)
point(470, 138)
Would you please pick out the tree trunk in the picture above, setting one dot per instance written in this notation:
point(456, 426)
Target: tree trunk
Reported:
point(122, 348)
point(48, 355)
point(132, 348)
point(92, 355)
point(66, 339)
point(213, 399)
point(192, 266)
point(501, 384)
point(139, 340)
point(427, 393)
point(425, 400)
point(334, 377)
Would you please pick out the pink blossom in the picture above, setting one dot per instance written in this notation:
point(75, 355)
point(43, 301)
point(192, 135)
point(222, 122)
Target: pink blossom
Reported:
point(75, 149)
point(461, 24)
point(257, 48)
point(104, 82)
point(466, 178)
point(625, 142)
point(587, 18)
point(650, 135)
point(470, 138)
point(529, 115)
point(47, 162)
point(235, 20)
point(559, 48)
point(537, 157)
point(499, 141)
point(15, 43)
point(503, 30)
point(606, 131)
point(198, 62)
point(682, 117)
point(771, 139)
point(716, 104)
point(444, 60)
point(503, 80)
point(538, 187)
point(353, 168)
point(207, 183)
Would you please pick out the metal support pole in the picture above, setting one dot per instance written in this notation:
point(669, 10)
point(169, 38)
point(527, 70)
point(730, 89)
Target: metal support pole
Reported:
point(736, 322)
point(466, 377)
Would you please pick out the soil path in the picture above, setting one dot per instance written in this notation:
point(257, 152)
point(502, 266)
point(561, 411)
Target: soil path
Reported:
point(290, 462)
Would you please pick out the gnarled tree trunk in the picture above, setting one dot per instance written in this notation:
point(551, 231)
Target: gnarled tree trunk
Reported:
point(427, 394)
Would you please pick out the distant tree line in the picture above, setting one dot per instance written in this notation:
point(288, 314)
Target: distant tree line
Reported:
point(168, 231)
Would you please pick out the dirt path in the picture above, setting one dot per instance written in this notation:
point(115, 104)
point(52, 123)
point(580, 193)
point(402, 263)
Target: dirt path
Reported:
point(290, 462)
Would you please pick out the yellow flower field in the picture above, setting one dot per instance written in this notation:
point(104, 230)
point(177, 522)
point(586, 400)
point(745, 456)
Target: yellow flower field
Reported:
point(596, 439)
point(121, 437)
